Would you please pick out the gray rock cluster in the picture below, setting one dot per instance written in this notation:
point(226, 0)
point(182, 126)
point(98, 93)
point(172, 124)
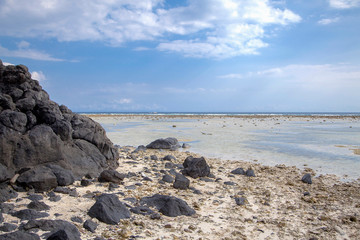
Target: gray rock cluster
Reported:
point(47, 144)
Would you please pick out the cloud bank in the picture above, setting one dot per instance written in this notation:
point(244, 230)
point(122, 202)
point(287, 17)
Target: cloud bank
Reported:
point(197, 28)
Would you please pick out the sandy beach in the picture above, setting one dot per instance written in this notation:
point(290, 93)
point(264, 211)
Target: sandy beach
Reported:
point(276, 204)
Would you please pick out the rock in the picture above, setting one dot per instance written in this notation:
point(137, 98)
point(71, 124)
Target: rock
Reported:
point(90, 225)
point(64, 177)
point(76, 219)
point(59, 235)
point(169, 158)
point(168, 143)
point(185, 145)
point(6, 192)
point(240, 201)
point(4, 174)
point(196, 167)
point(28, 214)
point(168, 178)
point(35, 197)
point(6, 207)
point(39, 206)
point(168, 205)
point(109, 209)
point(238, 171)
point(307, 178)
point(15, 120)
point(85, 182)
point(169, 165)
point(143, 210)
point(250, 173)
point(111, 176)
point(155, 216)
point(229, 183)
point(36, 131)
point(1, 217)
point(71, 231)
point(154, 157)
point(40, 178)
point(8, 227)
point(19, 235)
point(181, 182)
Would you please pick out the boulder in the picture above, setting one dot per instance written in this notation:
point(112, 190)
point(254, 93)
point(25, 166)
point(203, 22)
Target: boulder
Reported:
point(111, 176)
point(40, 178)
point(71, 231)
point(109, 209)
point(167, 143)
point(196, 167)
point(64, 177)
point(168, 205)
point(8, 227)
point(35, 131)
point(28, 214)
point(19, 235)
point(181, 182)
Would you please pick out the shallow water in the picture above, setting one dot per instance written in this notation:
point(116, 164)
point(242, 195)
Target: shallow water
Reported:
point(326, 146)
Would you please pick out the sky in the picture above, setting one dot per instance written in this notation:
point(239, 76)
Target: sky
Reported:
point(188, 55)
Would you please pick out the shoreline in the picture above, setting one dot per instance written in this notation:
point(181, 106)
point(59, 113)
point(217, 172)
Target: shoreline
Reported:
point(277, 204)
point(202, 116)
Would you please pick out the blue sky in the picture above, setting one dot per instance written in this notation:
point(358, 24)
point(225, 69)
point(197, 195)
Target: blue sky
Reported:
point(191, 55)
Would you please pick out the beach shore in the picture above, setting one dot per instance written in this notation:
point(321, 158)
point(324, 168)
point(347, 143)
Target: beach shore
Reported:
point(274, 204)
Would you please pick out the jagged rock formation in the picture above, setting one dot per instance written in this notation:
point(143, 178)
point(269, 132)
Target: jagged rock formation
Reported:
point(35, 131)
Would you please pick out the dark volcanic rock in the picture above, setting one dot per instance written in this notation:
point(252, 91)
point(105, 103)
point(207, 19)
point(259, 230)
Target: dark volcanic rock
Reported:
point(40, 178)
point(71, 231)
point(250, 173)
point(306, 178)
point(6, 192)
point(168, 178)
point(111, 176)
point(238, 171)
point(143, 210)
point(196, 167)
point(64, 177)
point(181, 182)
point(1, 217)
point(59, 235)
point(109, 209)
point(35, 131)
point(90, 225)
point(19, 235)
point(168, 205)
point(240, 201)
point(28, 214)
point(167, 143)
point(39, 206)
point(8, 227)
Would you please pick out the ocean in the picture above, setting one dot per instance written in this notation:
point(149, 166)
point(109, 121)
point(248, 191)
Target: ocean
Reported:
point(325, 142)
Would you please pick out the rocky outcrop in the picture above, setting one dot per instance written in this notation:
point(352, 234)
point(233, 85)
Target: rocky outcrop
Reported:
point(38, 135)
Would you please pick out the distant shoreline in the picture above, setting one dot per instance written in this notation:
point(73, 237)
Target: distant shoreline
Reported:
point(230, 115)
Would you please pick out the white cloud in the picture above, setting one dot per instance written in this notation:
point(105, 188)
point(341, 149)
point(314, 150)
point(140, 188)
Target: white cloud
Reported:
point(201, 28)
point(38, 76)
point(327, 21)
point(232, 76)
point(123, 101)
point(7, 64)
point(26, 52)
point(344, 4)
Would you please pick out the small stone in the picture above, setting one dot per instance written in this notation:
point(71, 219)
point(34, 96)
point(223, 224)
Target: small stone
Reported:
point(76, 219)
point(238, 171)
point(306, 178)
point(240, 201)
point(168, 226)
point(155, 216)
point(154, 157)
point(90, 225)
point(229, 183)
point(250, 173)
point(168, 178)
point(39, 206)
point(85, 182)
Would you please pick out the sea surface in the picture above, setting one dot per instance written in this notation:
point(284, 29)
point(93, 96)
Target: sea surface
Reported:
point(325, 144)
